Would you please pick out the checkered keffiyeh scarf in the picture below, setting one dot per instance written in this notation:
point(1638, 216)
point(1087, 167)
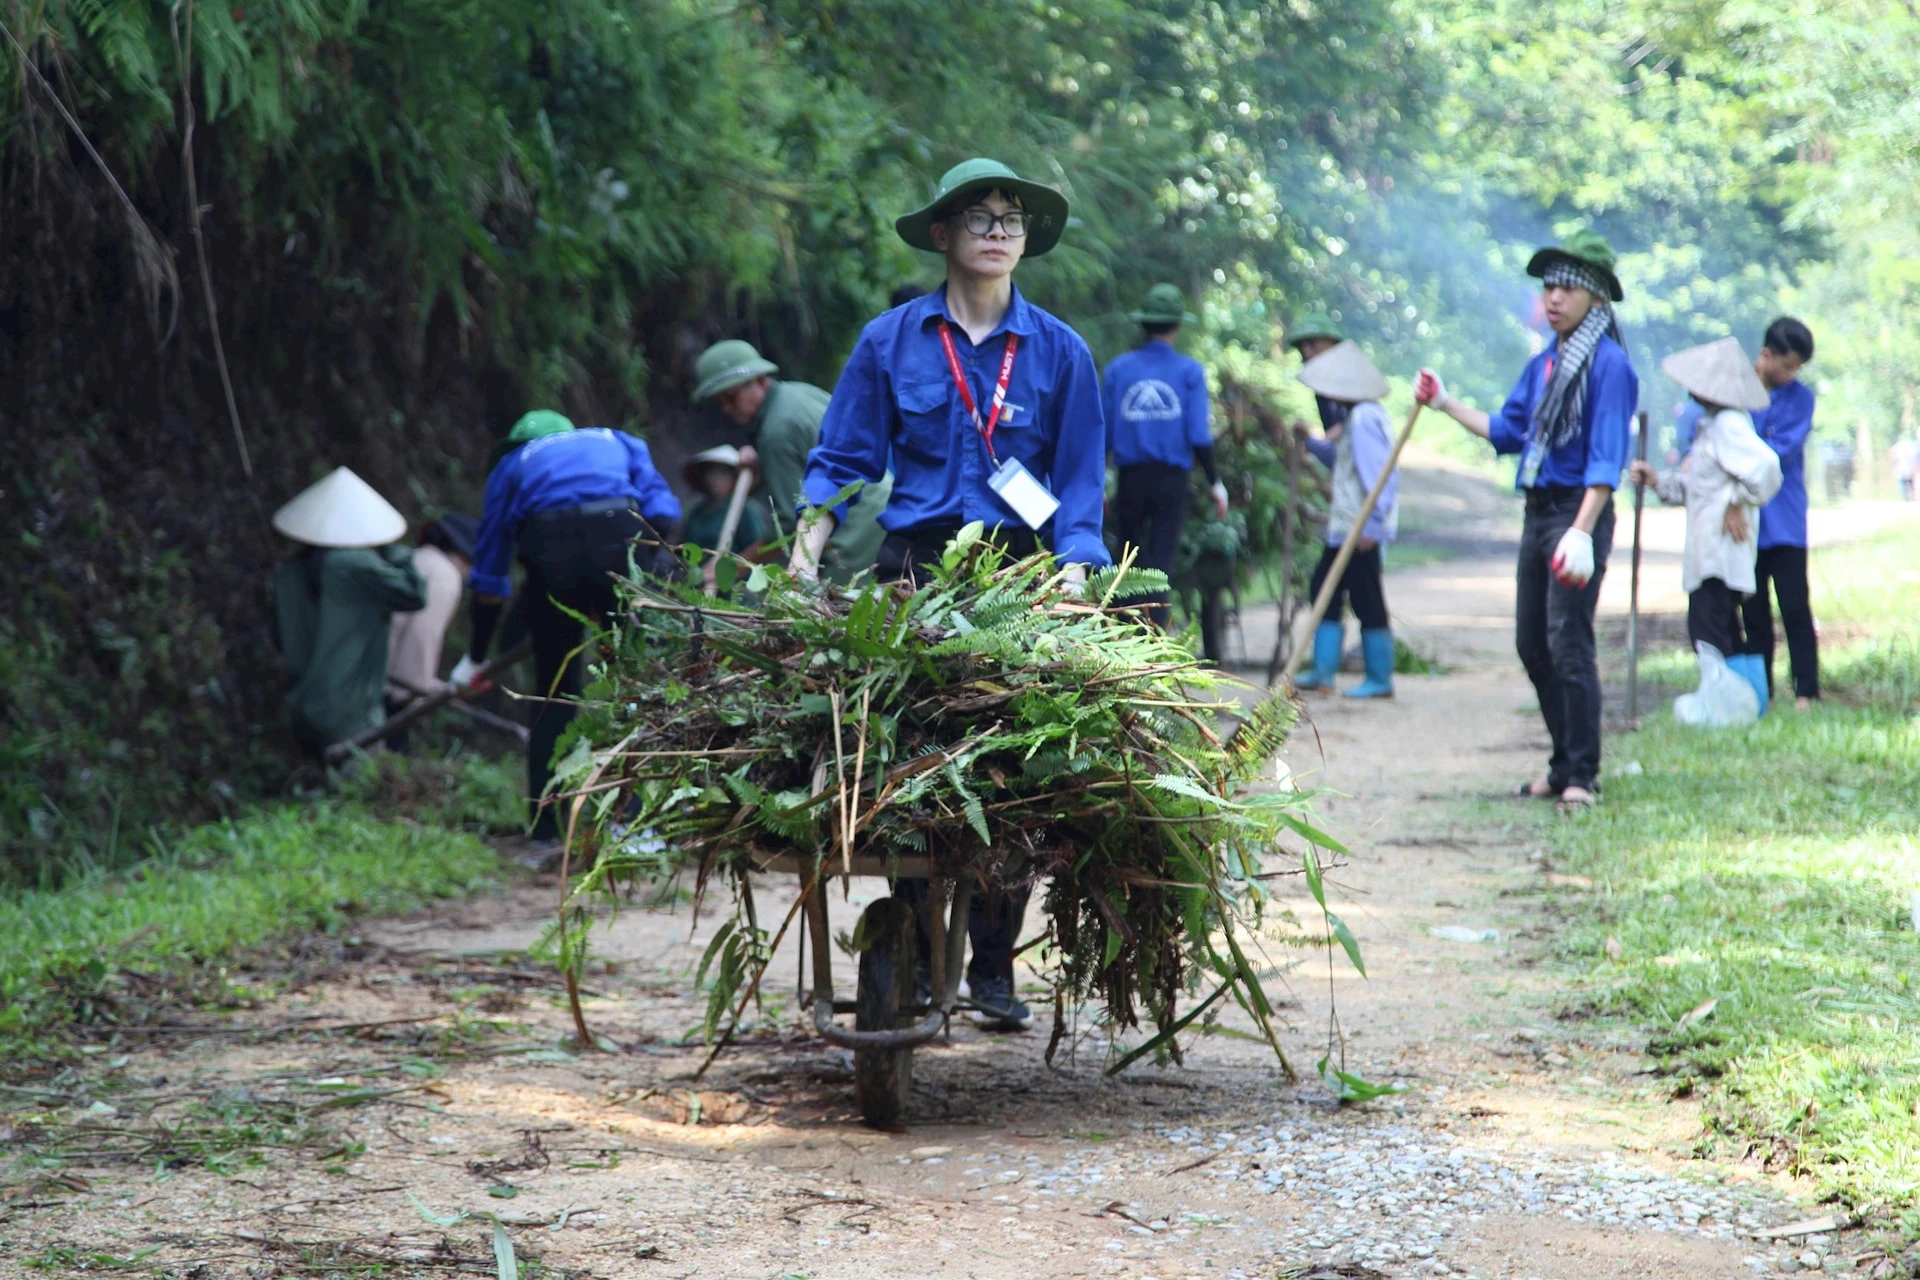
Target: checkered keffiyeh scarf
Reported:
point(1558, 416)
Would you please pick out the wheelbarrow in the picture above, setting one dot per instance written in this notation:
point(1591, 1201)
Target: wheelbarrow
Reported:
point(889, 1023)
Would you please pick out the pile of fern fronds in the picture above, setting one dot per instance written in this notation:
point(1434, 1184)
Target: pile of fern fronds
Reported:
point(995, 720)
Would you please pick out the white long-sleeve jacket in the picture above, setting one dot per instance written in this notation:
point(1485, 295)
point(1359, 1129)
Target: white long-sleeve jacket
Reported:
point(1729, 464)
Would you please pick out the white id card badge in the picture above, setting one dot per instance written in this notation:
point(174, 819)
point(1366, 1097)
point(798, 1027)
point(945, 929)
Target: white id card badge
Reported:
point(1026, 495)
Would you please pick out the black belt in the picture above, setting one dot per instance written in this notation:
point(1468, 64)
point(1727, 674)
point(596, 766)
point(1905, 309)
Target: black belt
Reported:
point(606, 506)
point(1552, 496)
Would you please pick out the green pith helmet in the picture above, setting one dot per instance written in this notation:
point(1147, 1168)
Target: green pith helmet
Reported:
point(1314, 324)
point(1163, 305)
point(541, 422)
point(1587, 247)
point(1047, 206)
point(728, 364)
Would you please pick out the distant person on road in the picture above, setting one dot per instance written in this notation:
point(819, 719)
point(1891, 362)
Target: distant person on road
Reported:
point(1905, 457)
point(574, 503)
point(1155, 401)
point(1785, 424)
point(1728, 475)
point(782, 419)
point(444, 557)
point(1569, 418)
point(1343, 375)
point(333, 601)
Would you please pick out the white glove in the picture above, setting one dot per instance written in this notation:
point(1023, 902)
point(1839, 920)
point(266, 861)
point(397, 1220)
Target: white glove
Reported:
point(1573, 558)
point(816, 528)
point(464, 672)
point(1073, 578)
point(1428, 389)
point(1219, 493)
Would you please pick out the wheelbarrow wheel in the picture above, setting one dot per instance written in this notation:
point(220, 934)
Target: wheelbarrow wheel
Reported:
point(883, 1078)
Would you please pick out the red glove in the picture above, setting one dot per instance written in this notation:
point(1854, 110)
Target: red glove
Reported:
point(1427, 387)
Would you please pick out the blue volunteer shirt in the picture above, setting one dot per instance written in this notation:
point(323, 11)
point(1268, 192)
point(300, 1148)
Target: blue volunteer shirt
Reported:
point(1598, 454)
point(1156, 406)
point(896, 403)
point(556, 472)
point(1785, 425)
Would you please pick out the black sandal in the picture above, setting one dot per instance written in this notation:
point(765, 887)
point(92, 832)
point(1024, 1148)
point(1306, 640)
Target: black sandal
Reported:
point(1525, 791)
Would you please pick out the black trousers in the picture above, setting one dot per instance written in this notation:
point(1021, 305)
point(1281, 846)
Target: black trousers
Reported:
point(1713, 615)
point(1553, 633)
point(1360, 585)
point(993, 925)
point(570, 560)
point(1150, 507)
point(1786, 569)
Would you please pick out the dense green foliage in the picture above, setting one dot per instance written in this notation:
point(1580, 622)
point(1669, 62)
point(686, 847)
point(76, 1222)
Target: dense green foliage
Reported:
point(421, 218)
point(1772, 871)
point(97, 950)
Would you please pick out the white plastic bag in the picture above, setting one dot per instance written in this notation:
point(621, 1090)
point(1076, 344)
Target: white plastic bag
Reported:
point(1723, 699)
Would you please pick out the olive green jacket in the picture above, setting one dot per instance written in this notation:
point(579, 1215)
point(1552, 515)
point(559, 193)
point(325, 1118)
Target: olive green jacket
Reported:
point(785, 431)
point(335, 640)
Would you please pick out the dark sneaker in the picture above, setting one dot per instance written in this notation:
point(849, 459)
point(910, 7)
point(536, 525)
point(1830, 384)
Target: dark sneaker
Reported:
point(1002, 1011)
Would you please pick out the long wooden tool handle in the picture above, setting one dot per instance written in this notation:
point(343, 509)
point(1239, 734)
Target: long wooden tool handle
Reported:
point(1633, 593)
point(1340, 561)
point(736, 507)
point(421, 706)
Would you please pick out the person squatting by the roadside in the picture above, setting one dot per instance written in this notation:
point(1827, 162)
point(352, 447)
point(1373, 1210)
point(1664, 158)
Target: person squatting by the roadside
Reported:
point(989, 410)
point(1155, 403)
point(572, 502)
point(1343, 376)
point(1569, 418)
point(1727, 475)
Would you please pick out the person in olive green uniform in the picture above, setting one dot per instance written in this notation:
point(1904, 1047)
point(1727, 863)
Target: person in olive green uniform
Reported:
point(784, 420)
point(333, 604)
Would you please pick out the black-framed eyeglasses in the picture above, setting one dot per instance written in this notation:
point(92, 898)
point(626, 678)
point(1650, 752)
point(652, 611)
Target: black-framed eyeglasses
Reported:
point(981, 222)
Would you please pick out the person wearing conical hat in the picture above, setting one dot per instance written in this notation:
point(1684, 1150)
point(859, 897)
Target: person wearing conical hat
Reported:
point(1310, 335)
point(574, 503)
point(1785, 424)
point(1155, 401)
point(1726, 477)
point(988, 409)
point(712, 474)
point(782, 419)
point(1343, 375)
point(1569, 419)
point(333, 601)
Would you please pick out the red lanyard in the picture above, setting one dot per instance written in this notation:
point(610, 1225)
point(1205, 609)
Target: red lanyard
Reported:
point(966, 392)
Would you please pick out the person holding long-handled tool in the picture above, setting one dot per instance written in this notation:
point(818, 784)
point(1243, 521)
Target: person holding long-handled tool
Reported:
point(1359, 458)
point(1569, 418)
point(724, 519)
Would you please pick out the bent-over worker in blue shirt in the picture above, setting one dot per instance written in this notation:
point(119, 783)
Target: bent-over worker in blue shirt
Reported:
point(572, 501)
point(1155, 402)
point(989, 410)
point(1785, 425)
point(1569, 418)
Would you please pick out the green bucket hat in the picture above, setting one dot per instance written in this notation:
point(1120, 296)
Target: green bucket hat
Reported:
point(1314, 324)
point(541, 422)
point(1589, 249)
point(1163, 305)
point(728, 364)
point(1048, 207)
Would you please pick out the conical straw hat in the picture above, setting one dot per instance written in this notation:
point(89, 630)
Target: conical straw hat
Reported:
point(1719, 373)
point(341, 511)
point(721, 455)
point(1344, 373)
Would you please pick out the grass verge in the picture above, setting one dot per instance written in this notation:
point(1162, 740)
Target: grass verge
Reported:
point(1755, 904)
point(205, 901)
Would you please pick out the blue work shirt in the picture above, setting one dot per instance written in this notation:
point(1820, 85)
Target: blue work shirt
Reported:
point(896, 403)
point(555, 472)
point(1687, 424)
point(1156, 406)
point(1598, 454)
point(1785, 425)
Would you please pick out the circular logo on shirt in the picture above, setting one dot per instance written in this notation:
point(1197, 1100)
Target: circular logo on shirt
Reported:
point(1150, 400)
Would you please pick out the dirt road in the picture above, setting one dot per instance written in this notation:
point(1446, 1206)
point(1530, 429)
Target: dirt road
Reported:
point(1525, 1147)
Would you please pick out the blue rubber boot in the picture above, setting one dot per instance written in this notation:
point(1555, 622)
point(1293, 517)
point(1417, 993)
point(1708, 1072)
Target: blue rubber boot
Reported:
point(1326, 659)
point(1376, 646)
point(1752, 667)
